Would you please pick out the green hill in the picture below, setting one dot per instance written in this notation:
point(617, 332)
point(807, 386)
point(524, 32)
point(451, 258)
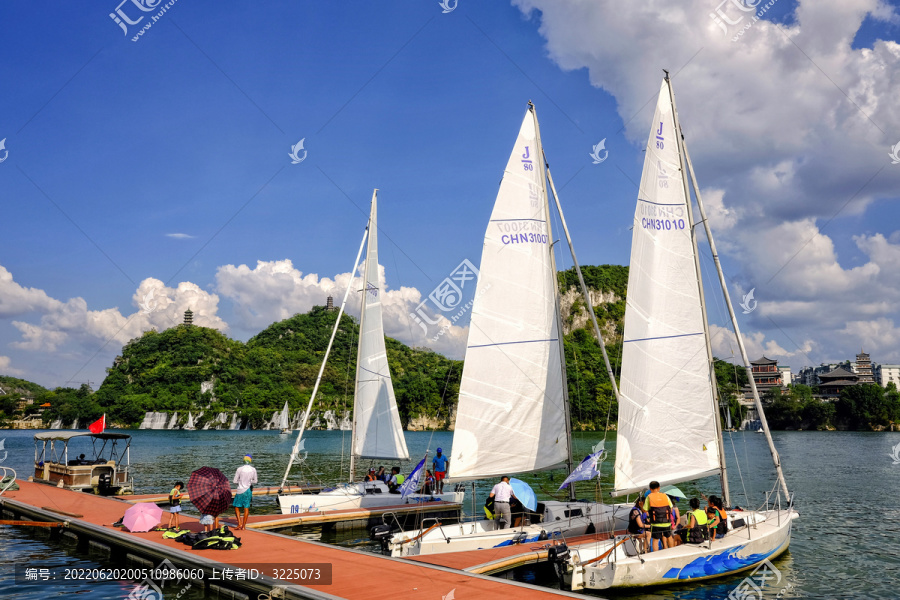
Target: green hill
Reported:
point(163, 371)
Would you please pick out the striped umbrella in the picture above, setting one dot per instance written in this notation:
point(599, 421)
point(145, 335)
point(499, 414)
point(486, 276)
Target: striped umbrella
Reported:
point(209, 491)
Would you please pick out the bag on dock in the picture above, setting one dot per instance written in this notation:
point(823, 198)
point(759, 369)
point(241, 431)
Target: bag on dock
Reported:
point(215, 542)
point(175, 535)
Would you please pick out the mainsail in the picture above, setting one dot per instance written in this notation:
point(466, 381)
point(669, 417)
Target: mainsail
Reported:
point(667, 429)
point(511, 416)
point(377, 431)
point(284, 421)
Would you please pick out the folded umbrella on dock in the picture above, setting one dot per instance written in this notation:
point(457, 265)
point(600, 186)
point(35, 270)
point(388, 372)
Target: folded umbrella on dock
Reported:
point(209, 490)
point(142, 517)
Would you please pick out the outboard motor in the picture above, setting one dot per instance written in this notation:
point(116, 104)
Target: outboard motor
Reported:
point(104, 484)
point(559, 557)
point(382, 534)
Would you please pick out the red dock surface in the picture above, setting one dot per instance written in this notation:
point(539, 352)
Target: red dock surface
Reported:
point(355, 574)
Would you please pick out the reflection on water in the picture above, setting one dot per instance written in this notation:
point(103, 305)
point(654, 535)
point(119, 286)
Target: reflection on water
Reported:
point(838, 549)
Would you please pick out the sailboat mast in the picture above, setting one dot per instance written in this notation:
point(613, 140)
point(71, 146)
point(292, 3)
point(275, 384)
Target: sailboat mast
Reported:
point(559, 326)
point(737, 331)
point(362, 320)
point(584, 290)
point(679, 138)
point(312, 398)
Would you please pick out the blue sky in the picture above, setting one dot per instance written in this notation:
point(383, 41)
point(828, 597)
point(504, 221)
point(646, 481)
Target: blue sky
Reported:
point(114, 145)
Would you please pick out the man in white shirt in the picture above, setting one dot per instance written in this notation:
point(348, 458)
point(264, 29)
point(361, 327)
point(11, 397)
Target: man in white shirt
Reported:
point(245, 477)
point(501, 493)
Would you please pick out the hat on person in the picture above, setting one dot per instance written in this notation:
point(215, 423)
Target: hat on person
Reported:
point(439, 451)
point(248, 458)
point(372, 470)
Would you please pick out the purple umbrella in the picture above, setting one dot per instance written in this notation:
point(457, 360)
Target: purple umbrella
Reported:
point(210, 491)
point(142, 517)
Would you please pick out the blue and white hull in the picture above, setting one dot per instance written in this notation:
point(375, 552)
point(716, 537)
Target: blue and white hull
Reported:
point(763, 536)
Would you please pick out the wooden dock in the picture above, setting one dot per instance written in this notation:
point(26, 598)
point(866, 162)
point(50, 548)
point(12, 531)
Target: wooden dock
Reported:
point(257, 491)
point(354, 574)
point(488, 561)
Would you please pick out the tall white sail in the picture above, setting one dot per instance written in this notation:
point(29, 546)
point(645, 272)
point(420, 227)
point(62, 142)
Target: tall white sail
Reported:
point(667, 430)
point(511, 414)
point(377, 431)
point(284, 421)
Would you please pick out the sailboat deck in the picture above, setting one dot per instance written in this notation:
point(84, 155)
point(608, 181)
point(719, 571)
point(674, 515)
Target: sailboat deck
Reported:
point(354, 574)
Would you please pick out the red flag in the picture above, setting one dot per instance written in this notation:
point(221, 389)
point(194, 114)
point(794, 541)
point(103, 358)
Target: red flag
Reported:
point(98, 426)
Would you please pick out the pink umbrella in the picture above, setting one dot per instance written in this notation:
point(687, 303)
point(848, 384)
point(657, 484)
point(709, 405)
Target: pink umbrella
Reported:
point(142, 517)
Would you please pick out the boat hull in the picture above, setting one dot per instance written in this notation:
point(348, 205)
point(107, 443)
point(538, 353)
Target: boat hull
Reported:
point(347, 497)
point(767, 536)
point(560, 519)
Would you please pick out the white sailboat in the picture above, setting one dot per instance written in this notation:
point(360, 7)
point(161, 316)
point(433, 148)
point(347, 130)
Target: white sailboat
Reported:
point(377, 432)
point(513, 408)
point(189, 426)
point(284, 420)
point(669, 428)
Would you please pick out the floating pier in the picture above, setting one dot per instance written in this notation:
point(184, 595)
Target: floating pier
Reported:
point(353, 574)
point(489, 561)
point(257, 491)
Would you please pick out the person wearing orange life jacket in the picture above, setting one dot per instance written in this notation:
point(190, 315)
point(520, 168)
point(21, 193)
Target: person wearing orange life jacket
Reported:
point(659, 508)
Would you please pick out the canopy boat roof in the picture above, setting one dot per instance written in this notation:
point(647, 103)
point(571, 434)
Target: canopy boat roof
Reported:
point(68, 435)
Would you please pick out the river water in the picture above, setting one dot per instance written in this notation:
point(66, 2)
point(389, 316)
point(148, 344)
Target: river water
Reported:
point(845, 486)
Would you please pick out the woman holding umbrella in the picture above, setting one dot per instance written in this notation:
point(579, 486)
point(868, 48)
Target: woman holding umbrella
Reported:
point(210, 492)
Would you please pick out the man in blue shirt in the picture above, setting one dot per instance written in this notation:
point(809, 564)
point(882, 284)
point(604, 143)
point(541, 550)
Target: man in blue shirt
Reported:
point(440, 466)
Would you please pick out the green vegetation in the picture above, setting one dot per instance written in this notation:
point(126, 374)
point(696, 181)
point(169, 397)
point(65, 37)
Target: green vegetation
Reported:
point(862, 407)
point(163, 372)
point(13, 391)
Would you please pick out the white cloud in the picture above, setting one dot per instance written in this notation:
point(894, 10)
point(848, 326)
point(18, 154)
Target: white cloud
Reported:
point(180, 236)
point(16, 300)
point(781, 140)
point(7, 369)
point(275, 290)
point(157, 307)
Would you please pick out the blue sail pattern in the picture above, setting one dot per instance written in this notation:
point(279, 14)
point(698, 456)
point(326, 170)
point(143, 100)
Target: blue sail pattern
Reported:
point(724, 562)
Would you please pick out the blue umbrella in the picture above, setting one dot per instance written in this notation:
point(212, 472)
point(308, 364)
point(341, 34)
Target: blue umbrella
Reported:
point(674, 492)
point(524, 493)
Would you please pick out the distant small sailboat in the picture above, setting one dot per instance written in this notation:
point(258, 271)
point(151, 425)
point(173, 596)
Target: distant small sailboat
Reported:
point(284, 421)
point(189, 426)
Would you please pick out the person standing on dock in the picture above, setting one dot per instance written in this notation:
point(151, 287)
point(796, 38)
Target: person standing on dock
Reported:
point(440, 465)
point(245, 477)
point(175, 504)
point(501, 493)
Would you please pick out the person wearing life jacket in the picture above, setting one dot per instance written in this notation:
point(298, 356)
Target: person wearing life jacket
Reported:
point(636, 525)
point(659, 508)
point(697, 530)
point(395, 481)
point(715, 513)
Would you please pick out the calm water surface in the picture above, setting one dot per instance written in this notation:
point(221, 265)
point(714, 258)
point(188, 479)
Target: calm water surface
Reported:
point(839, 550)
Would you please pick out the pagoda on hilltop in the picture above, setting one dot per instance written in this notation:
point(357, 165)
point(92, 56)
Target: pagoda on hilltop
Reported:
point(188, 317)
